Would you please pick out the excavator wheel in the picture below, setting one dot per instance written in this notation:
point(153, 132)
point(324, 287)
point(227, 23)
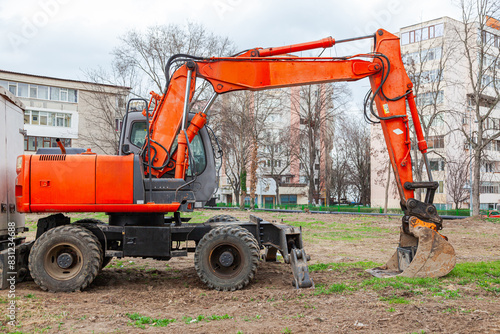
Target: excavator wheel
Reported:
point(89, 223)
point(226, 258)
point(221, 219)
point(423, 253)
point(65, 259)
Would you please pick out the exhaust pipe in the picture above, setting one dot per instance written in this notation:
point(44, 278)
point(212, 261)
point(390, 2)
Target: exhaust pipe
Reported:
point(61, 146)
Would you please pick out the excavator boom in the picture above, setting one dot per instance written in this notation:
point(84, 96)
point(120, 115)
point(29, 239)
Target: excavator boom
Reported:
point(422, 250)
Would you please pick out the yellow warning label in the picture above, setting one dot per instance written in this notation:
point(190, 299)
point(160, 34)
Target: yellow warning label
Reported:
point(386, 108)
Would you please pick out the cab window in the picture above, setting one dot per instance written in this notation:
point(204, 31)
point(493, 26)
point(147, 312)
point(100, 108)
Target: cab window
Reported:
point(138, 133)
point(198, 155)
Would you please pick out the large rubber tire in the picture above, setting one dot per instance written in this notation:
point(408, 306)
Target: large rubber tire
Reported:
point(221, 219)
point(83, 248)
point(229, 241)
point(89, 223)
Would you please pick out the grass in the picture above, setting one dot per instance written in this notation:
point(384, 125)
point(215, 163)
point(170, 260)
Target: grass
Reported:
point(198, 217)
point(89, 215)
point(141, 321)
point(257, 317)
point(357, 230)
point(334, 288)
point(493, 220)
point(342, 266)
point(395, 300)
point(191, 320)
point(483, 275)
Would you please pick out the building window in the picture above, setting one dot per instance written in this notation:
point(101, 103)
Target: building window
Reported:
point(422, 34)
point(436, 121)
point(488, 167)
point(22, 90)
point(430, 98)
point(490, 39)
point(440, 189)
point(41, 92)
point(428, 76)
point(436, 165)
point(435, 141)
point(32, 143)
point(288, 199)
point(489, 188)
point(13, 88)
point(33, 91)
point(47, 118)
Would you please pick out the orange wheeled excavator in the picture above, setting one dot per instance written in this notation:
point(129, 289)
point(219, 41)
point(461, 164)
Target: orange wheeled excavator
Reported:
point(174, 171)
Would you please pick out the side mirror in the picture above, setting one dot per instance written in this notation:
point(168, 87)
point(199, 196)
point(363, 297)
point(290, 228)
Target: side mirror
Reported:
point(126, 149)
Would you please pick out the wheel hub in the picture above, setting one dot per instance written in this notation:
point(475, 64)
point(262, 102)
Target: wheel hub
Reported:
point(226, 259)
point(65, 260)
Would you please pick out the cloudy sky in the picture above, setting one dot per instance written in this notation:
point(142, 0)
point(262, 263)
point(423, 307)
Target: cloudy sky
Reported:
point(61, 38)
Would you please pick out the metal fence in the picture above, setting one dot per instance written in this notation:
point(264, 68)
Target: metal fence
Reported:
point(343, 208)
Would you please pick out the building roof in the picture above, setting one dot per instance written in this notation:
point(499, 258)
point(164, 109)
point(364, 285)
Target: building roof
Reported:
point(70, 80)
point(422, 23)
point(11, 97)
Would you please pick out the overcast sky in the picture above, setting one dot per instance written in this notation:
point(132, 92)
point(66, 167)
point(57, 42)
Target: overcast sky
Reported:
point(61, 38)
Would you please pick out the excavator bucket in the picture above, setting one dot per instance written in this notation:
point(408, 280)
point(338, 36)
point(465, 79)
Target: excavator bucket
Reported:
point(422, 253)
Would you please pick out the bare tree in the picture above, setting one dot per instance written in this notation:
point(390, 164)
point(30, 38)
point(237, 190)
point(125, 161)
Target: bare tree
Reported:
point(266, 106)
point(276, 157)
point(233, 126)
point(148, 52)
point(357, 136)
point(316, 106)
point(482, 84)
point(380, 164)
point(458, 179)
point(339, 175)
point(106, 95)
point(425, 67)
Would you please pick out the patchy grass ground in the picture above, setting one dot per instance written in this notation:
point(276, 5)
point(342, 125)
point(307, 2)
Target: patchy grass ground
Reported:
point(145, 296)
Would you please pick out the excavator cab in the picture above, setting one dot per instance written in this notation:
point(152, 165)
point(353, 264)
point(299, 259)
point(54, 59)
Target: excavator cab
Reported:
point(133, 137)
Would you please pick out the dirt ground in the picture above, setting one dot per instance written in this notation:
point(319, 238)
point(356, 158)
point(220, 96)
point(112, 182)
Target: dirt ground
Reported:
point(129, 288)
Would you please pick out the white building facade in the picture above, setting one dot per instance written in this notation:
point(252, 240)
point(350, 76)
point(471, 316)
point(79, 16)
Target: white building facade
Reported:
point(58, 108)
point(434, 58)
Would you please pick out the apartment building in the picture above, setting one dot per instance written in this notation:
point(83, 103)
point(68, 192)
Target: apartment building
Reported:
point(281, 174)
point(435, 60)
point(67, 109)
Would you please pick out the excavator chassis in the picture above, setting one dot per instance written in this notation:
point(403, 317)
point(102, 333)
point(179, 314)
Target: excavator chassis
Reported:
point(218, 258)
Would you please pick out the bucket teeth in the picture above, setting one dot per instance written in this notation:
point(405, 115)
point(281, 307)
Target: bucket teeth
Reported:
point(422, 253)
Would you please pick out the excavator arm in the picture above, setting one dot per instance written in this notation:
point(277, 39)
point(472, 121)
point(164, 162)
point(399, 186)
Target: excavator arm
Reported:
point(422, 250)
